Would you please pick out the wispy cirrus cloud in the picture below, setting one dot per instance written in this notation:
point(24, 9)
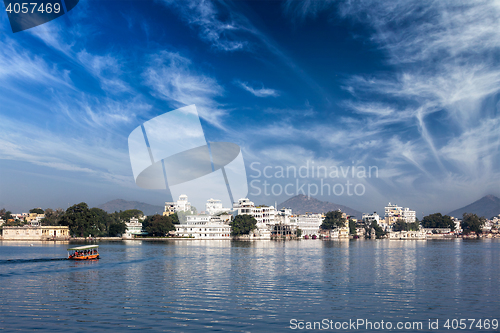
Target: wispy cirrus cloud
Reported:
point(227, 29)
point(306, 8)
point(445, 55)
point(39, 93)
point(106, 69)
point(444, 82)
point(172, 78)
point(258, 92)
point(223, 35)
point(94, 112)
point(96, 158)
point(21, 65)
point(293, 113)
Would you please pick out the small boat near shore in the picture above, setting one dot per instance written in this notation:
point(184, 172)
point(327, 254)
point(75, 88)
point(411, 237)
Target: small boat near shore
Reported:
point(87, 252)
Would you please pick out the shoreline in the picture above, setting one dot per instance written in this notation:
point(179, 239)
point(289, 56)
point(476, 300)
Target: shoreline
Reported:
point(166, 239)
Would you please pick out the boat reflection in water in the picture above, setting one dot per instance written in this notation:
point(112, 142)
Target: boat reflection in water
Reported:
point(87, 252)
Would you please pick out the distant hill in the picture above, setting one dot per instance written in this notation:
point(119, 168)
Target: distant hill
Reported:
point(487, 206)
point(120, 204)
point(300, 204)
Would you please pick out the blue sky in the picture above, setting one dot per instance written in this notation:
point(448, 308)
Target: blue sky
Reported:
point(410, 87)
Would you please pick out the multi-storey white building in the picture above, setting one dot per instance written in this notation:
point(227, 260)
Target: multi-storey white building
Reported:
point(392, 210)
point(284, 216)
point(181, 205)
point(213, 207)
point(394, 213)
point(369, 218)
point(409, 215)
point(285, 212)
point(134, 227)
point(204, 227)
point(244, 206)
point(309, 223)
point(263, 214)
point(284, 223)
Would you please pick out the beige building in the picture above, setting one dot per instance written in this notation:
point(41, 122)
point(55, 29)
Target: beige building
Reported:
point(34, 218)
point(169, 209)
point(35, 233)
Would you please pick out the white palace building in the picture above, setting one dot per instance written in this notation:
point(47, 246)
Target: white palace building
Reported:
point(205, 227)
point(216, 223)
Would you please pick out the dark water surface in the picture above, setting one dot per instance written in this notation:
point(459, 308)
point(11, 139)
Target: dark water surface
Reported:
point(186, 286)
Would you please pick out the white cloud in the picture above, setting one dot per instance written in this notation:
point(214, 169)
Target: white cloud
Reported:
point(371, 108)
point(222, 35)
point(101, 112)
point(305, 8)
point(443, 55)
point(235, 33)
point(172, 78)
point(93, 157)
point(259, 92)
point(20, 65)
point(105, 68)
point(290, 114)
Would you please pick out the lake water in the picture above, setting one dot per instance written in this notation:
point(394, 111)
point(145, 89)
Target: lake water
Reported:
point(187, 286)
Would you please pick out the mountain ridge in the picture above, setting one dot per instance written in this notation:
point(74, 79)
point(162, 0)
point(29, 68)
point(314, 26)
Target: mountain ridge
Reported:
point(488, 206)
point(120, 204)
point(301, 204)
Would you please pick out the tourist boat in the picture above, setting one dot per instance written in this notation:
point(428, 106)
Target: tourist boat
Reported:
point(87, 252)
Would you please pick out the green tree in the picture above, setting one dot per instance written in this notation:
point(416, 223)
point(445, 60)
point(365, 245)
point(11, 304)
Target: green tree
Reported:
point(175, 218)
point(126, 215)
point(117, 228)
point(14, 223)
point(7, 215)
point(400, 225)
point(79, 219)
point(37, 211)
point(333, 220)
point(243, 225)
point(158, 225)
point(352, 227)
point(379, 232)
point(438, 221)
point(100, 222)
point(472, 222)
point(415, 226)
point(52, 217)
point(298, 233)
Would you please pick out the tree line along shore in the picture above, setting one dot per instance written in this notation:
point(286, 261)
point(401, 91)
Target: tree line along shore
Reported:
point(84, 222)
